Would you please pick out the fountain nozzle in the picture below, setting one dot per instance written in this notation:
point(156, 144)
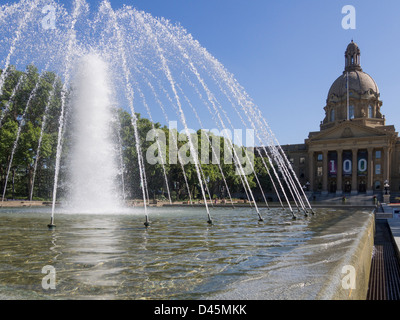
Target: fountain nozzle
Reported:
point(51, 225)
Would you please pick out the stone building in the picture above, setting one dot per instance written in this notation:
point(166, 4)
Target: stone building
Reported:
point(354, 151)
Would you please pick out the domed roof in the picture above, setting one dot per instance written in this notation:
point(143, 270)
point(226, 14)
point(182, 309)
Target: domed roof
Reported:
point(359, 82)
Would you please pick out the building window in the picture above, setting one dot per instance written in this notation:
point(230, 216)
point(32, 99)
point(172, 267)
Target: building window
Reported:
point(291, 161)
point(319, 157)
point(370, 112)
point(319, 171)
point(377, 169)
point(351, 112)
point(332, 115)
point(378, 154)
point(302, 160)
point(377, 185)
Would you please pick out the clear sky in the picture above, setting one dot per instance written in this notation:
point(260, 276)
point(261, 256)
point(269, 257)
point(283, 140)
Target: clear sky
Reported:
point(287, 53)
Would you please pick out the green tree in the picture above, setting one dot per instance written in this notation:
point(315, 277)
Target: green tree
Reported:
point(23, 102)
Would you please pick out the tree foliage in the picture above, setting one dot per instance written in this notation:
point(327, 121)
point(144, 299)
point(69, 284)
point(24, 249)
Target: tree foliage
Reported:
point(30, 106)
point(23, 103)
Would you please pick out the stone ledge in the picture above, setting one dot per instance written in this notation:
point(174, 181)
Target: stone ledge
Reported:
point(360, 257)
point(318, 275)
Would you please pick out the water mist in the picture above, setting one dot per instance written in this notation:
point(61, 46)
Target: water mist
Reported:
point(92, 160)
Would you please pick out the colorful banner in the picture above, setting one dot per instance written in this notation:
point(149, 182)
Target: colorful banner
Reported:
point(362, 163)
point(347, 163)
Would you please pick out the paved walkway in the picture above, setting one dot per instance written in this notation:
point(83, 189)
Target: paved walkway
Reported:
point(393, 221)
point(385, 268)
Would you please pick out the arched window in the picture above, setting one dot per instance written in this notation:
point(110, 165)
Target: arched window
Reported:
point(351, 112)
point(332, 115)
point(370, 111)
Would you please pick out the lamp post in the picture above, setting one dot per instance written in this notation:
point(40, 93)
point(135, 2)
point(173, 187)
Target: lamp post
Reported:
point(386, 186)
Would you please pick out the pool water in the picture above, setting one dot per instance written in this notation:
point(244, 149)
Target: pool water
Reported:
point(113, 256)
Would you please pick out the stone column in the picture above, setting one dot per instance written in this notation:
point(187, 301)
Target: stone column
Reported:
point(311, 170)
point(354, 187)
point(339, 177)
point(370, 181)
point(386, 164)
point(325, 172)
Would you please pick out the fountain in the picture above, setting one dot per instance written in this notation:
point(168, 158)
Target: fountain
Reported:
point(100, 73)
point(109, 59)
point(93, 165)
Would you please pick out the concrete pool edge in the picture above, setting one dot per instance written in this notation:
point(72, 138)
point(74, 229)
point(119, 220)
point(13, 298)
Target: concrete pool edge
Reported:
point(359, 258)
point(316, 273)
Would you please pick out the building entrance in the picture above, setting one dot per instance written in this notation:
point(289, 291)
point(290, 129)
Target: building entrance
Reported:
point(347, 186)
point(332, 186)
point(362, 187)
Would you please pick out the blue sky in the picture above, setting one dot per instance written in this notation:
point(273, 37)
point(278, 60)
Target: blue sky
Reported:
point(287, 53)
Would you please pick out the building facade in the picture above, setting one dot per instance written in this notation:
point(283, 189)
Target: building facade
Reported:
point(354, 151)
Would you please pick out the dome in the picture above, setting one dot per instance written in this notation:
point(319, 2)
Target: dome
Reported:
point(354, 96)
point(359, 82)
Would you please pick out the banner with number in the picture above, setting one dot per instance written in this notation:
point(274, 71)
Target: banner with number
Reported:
point(362, 163)
point(332, 164)
point(347, 163)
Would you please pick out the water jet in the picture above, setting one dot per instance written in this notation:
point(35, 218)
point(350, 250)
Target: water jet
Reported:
point(127, 59)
